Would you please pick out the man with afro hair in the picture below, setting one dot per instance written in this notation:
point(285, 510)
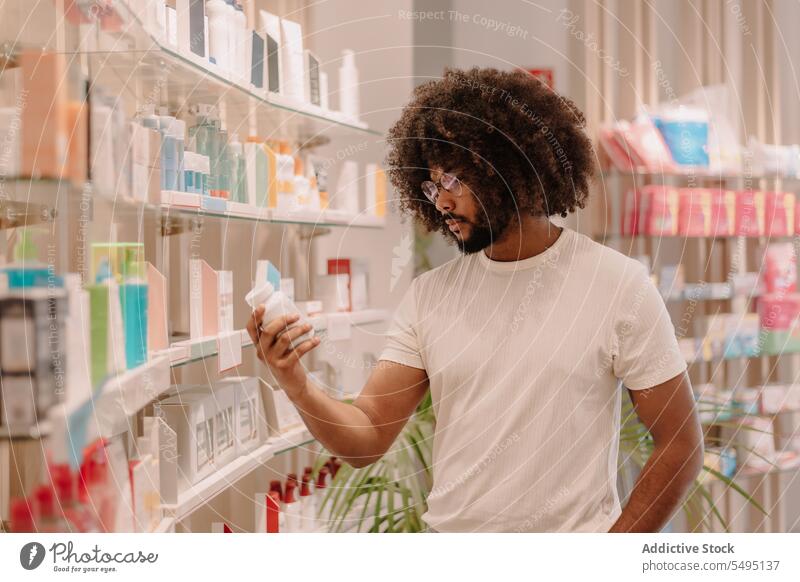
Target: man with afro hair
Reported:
point(525, 341)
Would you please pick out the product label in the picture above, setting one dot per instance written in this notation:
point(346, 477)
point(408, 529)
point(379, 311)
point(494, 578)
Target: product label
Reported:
point(17, 342)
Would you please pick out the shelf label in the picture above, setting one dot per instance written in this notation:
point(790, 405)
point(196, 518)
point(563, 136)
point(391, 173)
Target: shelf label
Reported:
point(230, 350)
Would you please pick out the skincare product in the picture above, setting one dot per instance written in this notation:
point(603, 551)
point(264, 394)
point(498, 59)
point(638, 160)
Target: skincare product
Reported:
point(312, 84)
point(293, 80)
point(749, 213)
point(218, 32)
point(257, 59)
point(271, 25)
point(192, 416)
point(281, 415)
point(376, 191)
point(276, 304)
point(348, 86)
point(191, 27)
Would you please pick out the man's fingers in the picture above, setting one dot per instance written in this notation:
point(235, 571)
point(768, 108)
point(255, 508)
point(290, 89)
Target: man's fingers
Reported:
point(253, 322)
point(277, 325)
point(298, 352)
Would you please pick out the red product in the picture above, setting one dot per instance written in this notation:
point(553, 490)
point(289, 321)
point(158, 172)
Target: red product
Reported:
point(322, 478)
point(275, 485)
point(632, 212)
point(780, 272)
point(749, 213)
point(723, 212)
point(694, 212)
point(662, 211)
point(305, 489)
point(778, 312)
point(647, 146)
point(273, 512)
point(617, 153)
point(22, 515)
point(779, 211)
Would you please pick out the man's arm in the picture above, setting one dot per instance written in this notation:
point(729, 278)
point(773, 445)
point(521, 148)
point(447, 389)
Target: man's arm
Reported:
point(668, 412)
point(361, 432)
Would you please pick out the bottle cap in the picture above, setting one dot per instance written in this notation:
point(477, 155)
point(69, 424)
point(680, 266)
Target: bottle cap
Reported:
point(305, 489)
point(275, 486)
point(322, 477)
point(259, 295)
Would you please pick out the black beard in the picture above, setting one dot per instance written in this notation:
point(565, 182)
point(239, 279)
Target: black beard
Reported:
point(481, 236)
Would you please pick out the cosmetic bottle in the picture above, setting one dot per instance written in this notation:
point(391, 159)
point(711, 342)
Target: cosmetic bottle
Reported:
point(230, 23)
point(291, 508)
point(222, 172)
point(217, 32)
point(276, 304)
point(273, 510)
point(22, 516)
point(240, 37)
point(26, 270)
point(133, 300)
point(238, 171)
point(348, 85)
point(48, 521)
point(172, 150)
point(319, 494)
point(302, 185)
point(275, 488)
point(308, 506)
point(64, 485)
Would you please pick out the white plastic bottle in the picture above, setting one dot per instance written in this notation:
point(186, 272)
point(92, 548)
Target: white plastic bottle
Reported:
point(348, 85)
point(218, 32)
point(276, 304)
point(240, 39)
point(230, 19)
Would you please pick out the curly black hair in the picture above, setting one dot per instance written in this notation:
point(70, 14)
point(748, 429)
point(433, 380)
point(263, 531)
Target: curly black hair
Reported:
point(516, 143)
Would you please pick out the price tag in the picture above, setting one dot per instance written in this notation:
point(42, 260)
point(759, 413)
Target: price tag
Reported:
point(229, 347)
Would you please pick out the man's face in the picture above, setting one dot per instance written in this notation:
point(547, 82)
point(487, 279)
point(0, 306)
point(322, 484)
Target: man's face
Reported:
point(464, 215)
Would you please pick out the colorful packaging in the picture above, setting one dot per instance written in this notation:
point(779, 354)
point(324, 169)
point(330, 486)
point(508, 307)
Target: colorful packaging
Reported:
point(694, 212)
point(662, 211)
point(780, 329)
point(723, 212)
point(749, 213)
point(780, 274)
point(779, 210)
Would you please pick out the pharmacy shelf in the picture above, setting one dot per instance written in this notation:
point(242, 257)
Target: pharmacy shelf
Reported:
point(202, 492)
point(246, 212)
point(143, 62)
point(699, 172)
point(320, 322)
point(183, 352)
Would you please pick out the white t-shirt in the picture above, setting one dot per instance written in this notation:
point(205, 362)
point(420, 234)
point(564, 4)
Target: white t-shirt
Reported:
point(524, 360)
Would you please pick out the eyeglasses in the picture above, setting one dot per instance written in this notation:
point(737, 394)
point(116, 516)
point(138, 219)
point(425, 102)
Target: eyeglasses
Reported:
point(448, 181)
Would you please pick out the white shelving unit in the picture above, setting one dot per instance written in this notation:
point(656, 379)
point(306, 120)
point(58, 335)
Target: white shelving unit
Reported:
point(142, 67)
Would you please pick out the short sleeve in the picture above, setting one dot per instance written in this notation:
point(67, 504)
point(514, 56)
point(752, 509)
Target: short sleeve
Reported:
point(402, 340)
point(644, 347)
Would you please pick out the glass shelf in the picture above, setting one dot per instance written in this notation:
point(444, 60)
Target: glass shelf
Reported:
point(144, 65)
point(698, 173)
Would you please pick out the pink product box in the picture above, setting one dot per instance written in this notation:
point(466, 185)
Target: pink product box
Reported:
point(723, 212)
point(661, 212)
point(617, 154)
point(778, 312)
point(632, 212)
point(749, 213)
point(694, 212)
point(779, 208)
point(780, 272)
